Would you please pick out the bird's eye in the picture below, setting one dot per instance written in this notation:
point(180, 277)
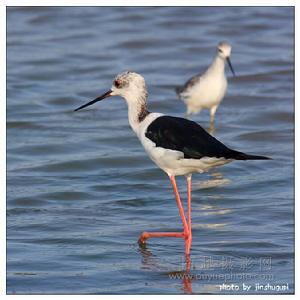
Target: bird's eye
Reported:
point(220, 50)
point(117, 83)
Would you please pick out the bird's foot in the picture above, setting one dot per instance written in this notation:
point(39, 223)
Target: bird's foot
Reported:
point(146, 235)
point(143, 238)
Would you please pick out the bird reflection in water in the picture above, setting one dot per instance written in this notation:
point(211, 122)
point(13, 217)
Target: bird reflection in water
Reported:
point(183, 273)
point(216, 180)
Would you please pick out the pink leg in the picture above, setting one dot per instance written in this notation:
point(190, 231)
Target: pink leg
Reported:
point(185, 234)
point(179, 204)
point(189, 207)
point(146, 235)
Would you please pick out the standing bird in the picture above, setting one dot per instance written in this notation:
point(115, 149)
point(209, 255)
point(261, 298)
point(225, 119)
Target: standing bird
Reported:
point(207, 90)
point(178, 146)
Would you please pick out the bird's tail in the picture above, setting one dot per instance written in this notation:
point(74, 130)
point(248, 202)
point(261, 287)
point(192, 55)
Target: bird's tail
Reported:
point(243, 156)
point(178, 90)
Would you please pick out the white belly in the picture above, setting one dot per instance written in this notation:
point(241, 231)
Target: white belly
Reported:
point(208, 93)
point(174, 163)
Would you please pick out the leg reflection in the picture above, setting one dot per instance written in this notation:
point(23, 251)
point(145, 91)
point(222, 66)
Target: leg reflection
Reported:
point(187, 278)
point(183, 272)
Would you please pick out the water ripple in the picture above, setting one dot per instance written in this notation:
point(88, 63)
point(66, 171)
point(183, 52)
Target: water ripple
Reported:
point(80, 188)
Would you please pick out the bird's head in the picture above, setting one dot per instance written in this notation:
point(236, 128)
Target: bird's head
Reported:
point(224, 51)
point(129, 85)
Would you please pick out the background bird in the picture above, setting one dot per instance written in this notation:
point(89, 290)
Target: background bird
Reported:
point(207, 90)
point(178, 146)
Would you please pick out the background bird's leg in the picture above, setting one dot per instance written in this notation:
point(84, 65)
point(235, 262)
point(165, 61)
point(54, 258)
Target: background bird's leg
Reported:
point(190, 110)
point(187, 115)
point(211, 129)
point(189, 212)
point(212, 114)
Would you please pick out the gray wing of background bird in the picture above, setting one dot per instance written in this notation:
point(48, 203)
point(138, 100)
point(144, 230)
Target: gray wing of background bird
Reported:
point(189, 84)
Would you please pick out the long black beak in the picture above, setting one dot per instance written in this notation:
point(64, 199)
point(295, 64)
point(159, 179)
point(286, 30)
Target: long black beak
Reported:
point(105, 95)
point(230, 65)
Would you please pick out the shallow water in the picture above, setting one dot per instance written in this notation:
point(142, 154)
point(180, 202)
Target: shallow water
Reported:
point(80, 188)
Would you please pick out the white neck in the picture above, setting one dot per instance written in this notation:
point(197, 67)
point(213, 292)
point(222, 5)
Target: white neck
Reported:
point(218, 65)
point(137, 109)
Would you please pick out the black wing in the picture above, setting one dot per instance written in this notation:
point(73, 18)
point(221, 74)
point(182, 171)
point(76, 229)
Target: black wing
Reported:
point(190, 138)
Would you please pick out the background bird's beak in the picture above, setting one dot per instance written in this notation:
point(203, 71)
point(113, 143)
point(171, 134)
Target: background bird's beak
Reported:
point(230, 65)
point(105, 95)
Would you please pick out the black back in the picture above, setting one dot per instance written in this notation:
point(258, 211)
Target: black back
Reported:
point(190, 138)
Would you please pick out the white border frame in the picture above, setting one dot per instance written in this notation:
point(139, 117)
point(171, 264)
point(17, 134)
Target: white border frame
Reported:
point(5, 3)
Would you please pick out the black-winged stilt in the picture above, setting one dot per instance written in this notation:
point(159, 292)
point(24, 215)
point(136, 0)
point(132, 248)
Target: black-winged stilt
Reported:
point(207, 90)
point(178, 146)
